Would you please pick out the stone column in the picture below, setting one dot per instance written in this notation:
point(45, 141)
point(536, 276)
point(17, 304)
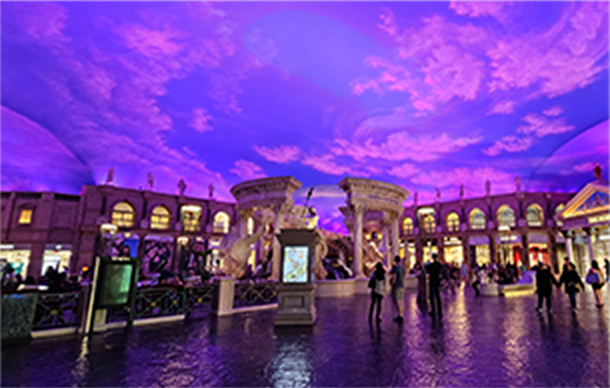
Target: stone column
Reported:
point(525, 251)
point(396, 237)
point(554, 259)
point(244, 215)
point(466, 252)
point(387, 260)
point(359, 213)
point(591, 250)
point(492, 248)
point(440, 246)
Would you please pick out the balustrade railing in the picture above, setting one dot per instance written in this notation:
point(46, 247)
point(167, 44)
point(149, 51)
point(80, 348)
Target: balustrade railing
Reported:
point(249, 293)
point(199, 299)
point(56, 310)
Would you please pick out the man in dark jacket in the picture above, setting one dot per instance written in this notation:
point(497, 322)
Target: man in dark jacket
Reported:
point(544, 285)
point(435, 270)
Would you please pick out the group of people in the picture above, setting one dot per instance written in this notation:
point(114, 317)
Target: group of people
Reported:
point(571, 281)
point(53, 279)
point(438, 276)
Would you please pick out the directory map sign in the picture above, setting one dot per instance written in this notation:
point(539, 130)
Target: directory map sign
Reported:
point(295, 264)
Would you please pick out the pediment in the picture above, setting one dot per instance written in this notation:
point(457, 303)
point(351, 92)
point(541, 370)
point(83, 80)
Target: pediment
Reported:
point(593, 198)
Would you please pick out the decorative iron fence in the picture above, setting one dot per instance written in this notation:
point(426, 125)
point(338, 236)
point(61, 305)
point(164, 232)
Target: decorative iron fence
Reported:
point(56, 310)
point(199, 299)
point(254, 294)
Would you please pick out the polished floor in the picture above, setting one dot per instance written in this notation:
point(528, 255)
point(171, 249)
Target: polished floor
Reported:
point(480, 342)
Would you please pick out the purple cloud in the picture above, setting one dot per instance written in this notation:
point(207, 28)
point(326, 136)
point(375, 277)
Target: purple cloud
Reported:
point(480, 8)
point(542, 126)
point(553, 111)
point(282, 154)
point(503, 107)
point(201, 120)
point(247, 170)
point(404, 170)
point(509, 144)
point(564, 58)
point(402, 146)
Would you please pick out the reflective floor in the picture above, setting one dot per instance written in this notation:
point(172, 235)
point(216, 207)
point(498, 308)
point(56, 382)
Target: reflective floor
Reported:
point(481, 342)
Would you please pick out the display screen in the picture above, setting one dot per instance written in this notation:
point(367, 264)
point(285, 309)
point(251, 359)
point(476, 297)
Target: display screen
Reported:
point(115, 284)
point(295, 264)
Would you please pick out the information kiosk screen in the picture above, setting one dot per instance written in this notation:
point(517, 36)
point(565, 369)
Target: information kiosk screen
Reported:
point(295, 264)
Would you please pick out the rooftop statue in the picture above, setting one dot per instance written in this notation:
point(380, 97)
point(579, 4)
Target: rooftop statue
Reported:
point(597, 171)
point(518, 183)
point(110, 176)
point(151, 181)
point(181, 186)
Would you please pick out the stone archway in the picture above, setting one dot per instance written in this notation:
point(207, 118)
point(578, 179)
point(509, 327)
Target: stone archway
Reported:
point(367, 195)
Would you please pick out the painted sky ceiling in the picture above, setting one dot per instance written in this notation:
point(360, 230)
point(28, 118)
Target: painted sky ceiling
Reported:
point(424, 95)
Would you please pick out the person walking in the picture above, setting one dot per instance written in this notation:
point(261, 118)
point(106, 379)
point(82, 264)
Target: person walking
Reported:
point(377, 286)
point(595, 278)
point(544, 285)
point(397, 273)
point(435, 270)
point(572, 282)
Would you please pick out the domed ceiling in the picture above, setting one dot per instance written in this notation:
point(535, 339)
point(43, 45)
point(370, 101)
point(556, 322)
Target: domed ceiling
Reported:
point(420, 94)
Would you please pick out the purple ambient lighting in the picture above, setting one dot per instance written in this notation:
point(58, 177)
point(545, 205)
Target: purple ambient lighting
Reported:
point(422, 95)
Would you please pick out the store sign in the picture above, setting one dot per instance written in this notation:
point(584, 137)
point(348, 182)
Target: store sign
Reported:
point(600, 218)
point(508, 239)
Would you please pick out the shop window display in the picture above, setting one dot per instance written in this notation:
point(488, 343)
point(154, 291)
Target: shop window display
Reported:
point(191, 217)
point(123, 215)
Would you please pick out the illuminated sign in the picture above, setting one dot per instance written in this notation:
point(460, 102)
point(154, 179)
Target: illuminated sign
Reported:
point(600, 218)
point(295, 264)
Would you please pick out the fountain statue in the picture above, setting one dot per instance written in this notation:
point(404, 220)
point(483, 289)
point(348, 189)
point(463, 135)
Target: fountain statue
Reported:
point(236, 251)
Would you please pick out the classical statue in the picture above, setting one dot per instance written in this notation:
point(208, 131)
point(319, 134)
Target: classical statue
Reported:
point(371, 256)
point(321, 250)
point(110, 176)
point(236, 251)
point(181, 187)
point(211, 191)
point(597, 171)
point(517, 183)
point(415, 198)
point(151, 181)
point(438, 194)
point(488, 187)
point(462, 191)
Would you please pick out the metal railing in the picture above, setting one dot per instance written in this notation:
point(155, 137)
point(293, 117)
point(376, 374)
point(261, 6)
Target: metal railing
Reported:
point(199, 300)
point(248, 293)
point(56, 310)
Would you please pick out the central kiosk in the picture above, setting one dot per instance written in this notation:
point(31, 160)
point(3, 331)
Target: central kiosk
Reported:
point(295, 295)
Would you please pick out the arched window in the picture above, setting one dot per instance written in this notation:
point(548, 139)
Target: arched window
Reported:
point(407, 226)
point(477, 219)
point(534, 215)
point(250, 226)
point(506, 216)
point(159, 218)
point(453, 222)
point(221, 222)
point(429, 223)
point(123, 215)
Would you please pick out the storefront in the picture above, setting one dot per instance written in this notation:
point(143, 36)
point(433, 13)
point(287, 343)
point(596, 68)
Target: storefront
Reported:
point(538, 248)
point(17, 256)
point(479, 250)
point(509, 249)
point(585, 221)
point(157, 254)
point(453, 250)
point(57, 257)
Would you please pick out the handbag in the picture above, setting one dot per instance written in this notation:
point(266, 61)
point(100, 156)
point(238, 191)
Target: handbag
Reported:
point(372, 282)
point(592, 278)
